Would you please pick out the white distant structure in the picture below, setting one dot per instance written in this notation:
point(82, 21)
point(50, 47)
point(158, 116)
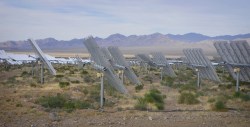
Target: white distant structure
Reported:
point(18, 59)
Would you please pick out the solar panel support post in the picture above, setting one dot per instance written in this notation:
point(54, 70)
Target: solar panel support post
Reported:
point(237, 71)
point(42, 73)
point(161, 68)
point(33, 67)
point(101, 92)
point(198, 77)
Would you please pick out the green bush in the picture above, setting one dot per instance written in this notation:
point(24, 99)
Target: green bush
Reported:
point(59, 76)
point(211, 100)
point(88, 79)
point(187, 98)
point(75, 81)
point(154, 96)
point(188, 87)
point(62, 102)
point(64, 84)
point(148, 78)
point(84, 72)
point(138, 88)
point(141, 104)
point(242, 96)
point(167, 81)
point(219, 106)
point(24, 73)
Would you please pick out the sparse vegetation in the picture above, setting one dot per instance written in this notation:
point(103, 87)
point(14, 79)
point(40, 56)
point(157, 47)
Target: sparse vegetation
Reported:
point(64, 84)
point(187, 98)
point(167, 81)
point(138, 88)
point(141, 104)
point(62, 102)
point(154, 97)
point(242, 96)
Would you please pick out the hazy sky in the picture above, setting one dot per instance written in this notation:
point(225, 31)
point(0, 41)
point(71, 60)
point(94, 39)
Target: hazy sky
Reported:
point(67, 19)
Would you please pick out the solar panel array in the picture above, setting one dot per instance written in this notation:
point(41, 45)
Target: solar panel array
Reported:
point(160, 60)
point(99, 58)
point(120, 60)
point(235, 54)
point(197, 59)
point(42, 56)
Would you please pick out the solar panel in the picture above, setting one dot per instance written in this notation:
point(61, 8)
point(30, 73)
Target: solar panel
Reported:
point(99, 58)
point(120, 60)
point(160, 60)
point(235, 54)
point(145, 59)
point(108, 55)
point(198, 60)
point(42, 57)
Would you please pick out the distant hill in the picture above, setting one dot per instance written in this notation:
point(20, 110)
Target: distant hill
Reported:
point(156, 40)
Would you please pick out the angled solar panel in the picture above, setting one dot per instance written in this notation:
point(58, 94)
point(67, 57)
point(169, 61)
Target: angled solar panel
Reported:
point(99, 58)
point(145, 59)
point(120, 60)
point(235, 54)
point(160, 60)
point(197, 59)
point(108, 55)
point(42, 56)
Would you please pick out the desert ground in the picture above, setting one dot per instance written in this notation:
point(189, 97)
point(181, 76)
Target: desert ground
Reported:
point(71, 98)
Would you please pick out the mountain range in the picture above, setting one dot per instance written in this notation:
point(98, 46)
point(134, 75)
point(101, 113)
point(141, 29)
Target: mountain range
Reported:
point(156, 40)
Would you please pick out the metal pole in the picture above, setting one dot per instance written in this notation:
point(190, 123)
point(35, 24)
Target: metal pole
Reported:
point(122, 77)
point(32, 71)
point(161, 72)
point(198, 78)
point(237, 82)
point(102, 93)
point(42, 77)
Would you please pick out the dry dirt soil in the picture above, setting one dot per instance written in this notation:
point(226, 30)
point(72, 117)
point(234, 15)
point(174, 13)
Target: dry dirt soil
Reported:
point(18, 107)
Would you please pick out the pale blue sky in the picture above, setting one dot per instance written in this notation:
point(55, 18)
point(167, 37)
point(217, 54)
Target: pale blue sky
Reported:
point(67, 19)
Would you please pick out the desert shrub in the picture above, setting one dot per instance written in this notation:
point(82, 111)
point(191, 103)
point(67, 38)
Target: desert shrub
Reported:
point(242, 96)
point(148, 78)
point(155, 97)
point(141, 104)
point(64, 84)
point(75, 81)
point(167, 81)
point(32, 84)
point(187, 87)
point(219, 106)
point(71, 72)
point(84, 72)
point(24, 73)
point(187, 98)
point(57, 101)
point(88, 79)
point(19, 104)
point(59, 76)
point(62, 102)
point(211, 100)
point(85, 91)
point(138, 88)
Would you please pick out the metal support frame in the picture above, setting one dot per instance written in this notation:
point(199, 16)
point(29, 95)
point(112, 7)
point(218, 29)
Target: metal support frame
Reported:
point(198, 77)
point(161, 68)
point(101, 76)
point(42, 72)
point(237, 71)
